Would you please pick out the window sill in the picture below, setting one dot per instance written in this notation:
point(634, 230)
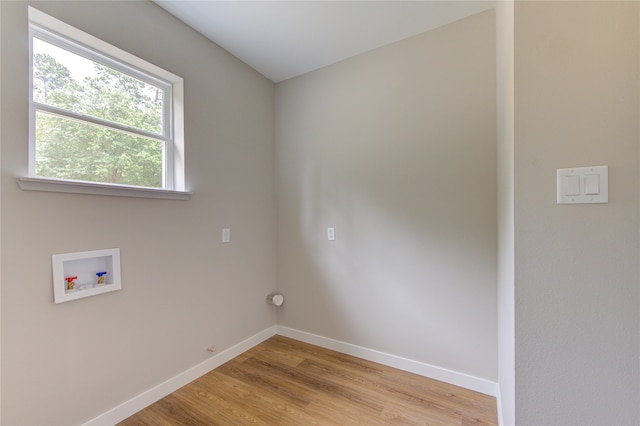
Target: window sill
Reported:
point(75, 187)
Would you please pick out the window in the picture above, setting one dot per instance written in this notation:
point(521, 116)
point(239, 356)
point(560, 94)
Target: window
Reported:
point(99, 115)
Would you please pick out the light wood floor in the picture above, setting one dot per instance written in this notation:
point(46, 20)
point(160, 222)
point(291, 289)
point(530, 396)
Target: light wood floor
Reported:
point(286, 382)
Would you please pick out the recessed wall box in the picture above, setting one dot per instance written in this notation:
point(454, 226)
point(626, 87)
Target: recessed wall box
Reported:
point(87, 273)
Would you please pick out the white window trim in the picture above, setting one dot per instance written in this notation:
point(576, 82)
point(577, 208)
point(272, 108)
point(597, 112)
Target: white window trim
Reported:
point(175, 182)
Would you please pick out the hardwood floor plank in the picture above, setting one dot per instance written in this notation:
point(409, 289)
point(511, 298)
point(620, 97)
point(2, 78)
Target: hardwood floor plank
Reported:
point(171, 407)
point(339, 413)
point(321, 383)
point(284, 382)
point(219, 409)
point(292, 392)
point(419, 390)
point(308, 351)
point(268, 351)
point(269, 407)
point(408, 414)
point(403, 406)
point(376, 376)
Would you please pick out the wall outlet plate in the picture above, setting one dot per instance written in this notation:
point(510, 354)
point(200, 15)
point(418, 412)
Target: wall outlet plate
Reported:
point(583, 185)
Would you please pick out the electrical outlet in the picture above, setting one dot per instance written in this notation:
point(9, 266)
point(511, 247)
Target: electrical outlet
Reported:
point(331, 234)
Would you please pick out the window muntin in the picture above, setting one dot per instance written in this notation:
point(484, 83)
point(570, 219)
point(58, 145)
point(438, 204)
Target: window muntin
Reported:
point(99, 114)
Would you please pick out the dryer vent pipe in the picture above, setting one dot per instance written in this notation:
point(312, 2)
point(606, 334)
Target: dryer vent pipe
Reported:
point(275, 299)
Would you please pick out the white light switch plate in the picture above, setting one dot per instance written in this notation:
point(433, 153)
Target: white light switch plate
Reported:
point(583, 185)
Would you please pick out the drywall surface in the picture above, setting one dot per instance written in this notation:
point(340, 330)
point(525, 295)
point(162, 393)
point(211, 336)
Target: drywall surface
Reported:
point(396, 150)
point(577, 316)
point(182, 290)
point(506, 223)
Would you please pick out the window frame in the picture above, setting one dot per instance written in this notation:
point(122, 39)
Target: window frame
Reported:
point(58, 33)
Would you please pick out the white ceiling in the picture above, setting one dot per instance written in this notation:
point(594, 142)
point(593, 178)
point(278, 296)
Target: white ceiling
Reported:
point(284, 39)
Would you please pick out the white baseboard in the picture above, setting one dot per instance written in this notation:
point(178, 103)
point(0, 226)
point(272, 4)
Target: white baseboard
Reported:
point(132, 406)
point(466, 381)
point(139, 402)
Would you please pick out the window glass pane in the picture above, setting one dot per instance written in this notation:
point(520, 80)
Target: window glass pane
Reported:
point(71, 82)
point(71, 149)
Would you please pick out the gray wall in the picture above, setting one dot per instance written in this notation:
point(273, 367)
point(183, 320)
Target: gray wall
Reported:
point(396, 149)
point(182, 289)
point(576, 295)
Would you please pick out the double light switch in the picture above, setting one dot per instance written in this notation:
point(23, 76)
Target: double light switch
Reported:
point(580, 185)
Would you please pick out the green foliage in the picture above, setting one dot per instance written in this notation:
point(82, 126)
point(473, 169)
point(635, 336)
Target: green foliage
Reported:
point(50, 77)
point(72, 149)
